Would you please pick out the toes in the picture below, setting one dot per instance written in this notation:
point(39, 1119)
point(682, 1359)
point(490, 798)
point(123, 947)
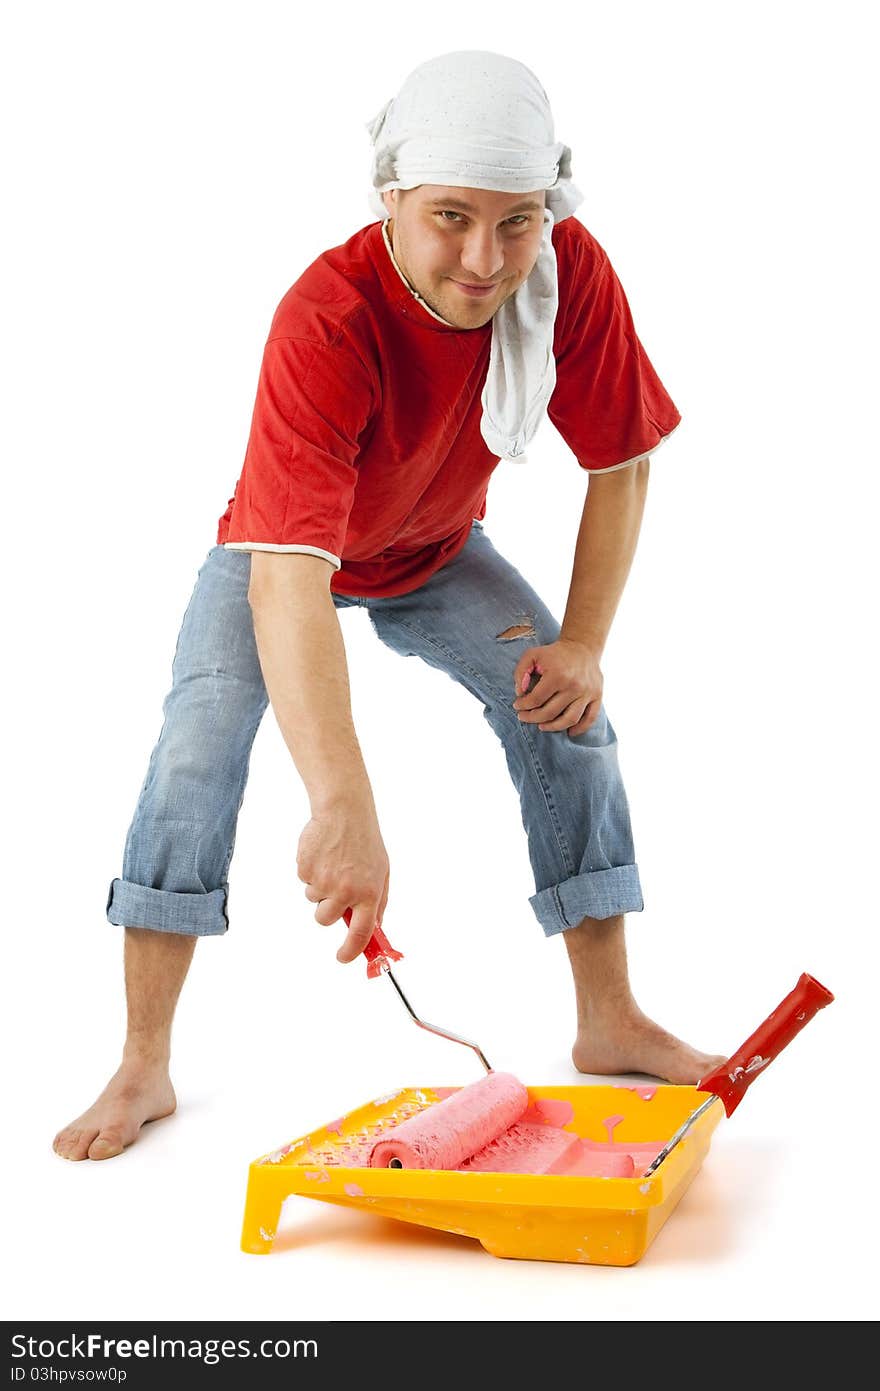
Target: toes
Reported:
point(63, 1140)
point(107, 1144)
point(705, 1063)
point(73, 1143)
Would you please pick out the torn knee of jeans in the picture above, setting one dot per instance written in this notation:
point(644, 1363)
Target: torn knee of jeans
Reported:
point(519, 630)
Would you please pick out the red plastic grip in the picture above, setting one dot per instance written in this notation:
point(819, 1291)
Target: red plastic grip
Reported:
point(730, 1081)
point(378, 951)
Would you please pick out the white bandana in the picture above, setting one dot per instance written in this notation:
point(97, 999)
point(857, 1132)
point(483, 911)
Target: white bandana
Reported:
point(475, 119)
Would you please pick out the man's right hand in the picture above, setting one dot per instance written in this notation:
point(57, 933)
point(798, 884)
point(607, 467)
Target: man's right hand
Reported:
point(343, 863)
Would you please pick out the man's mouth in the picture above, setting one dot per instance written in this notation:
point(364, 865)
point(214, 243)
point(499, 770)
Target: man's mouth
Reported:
point(477, 291)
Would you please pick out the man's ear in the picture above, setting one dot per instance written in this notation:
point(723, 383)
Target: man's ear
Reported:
point(389, 199)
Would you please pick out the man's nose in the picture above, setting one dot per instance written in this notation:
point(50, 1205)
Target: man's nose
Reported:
point(482, 255)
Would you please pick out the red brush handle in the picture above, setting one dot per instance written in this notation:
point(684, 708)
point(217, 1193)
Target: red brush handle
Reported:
point(730, 1080)
point(378, 951)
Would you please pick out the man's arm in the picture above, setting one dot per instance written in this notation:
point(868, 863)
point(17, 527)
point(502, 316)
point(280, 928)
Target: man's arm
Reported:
point(606, 544)
point(568, 692)
point(341, 856)
point(302, 656)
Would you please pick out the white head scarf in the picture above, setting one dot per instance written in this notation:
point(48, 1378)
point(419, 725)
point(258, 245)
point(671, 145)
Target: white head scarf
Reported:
point(476, 119)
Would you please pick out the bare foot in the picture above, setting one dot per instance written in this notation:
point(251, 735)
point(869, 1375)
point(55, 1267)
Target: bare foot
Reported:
point(134, 1095)
point(634, 1043)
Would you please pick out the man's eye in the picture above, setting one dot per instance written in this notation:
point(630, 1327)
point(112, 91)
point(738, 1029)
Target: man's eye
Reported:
point(517, 220)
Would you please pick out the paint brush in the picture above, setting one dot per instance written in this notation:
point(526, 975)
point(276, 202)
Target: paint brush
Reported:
point(730, 1080)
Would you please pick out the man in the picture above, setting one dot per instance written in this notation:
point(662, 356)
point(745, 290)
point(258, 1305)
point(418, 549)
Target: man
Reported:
point(398, 370)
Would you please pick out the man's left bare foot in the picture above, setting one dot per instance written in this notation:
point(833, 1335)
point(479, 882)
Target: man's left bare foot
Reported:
point(634, 1043)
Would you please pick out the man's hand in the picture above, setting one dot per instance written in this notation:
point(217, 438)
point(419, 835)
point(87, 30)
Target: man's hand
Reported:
point(342, 861)
point(568, 690)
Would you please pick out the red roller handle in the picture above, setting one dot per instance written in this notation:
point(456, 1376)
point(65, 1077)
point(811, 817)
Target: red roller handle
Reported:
point(730, 1081)
point(378, 951)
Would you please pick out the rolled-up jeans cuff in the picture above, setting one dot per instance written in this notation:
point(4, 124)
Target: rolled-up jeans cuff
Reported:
point(192, 915)
point(602, 894)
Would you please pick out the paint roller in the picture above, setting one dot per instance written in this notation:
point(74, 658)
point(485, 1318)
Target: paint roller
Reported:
point(480, 1129)
point(451, 1131)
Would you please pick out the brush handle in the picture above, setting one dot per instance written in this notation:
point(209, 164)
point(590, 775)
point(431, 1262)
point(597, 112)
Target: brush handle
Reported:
point(378, 951)
point(730, 1081)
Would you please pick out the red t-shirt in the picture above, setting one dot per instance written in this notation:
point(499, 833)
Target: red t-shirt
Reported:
point(365, 442)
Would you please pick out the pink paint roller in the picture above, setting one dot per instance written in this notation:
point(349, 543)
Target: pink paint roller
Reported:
point(445, 1134)
point(480, 1129)
point(478, 1126)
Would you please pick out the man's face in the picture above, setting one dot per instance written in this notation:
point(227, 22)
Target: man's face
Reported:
point(447, 238)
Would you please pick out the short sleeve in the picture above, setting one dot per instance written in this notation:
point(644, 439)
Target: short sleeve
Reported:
point(296, 488)
point(608, 404)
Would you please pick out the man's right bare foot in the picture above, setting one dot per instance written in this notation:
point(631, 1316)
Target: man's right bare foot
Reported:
point(134, 1095)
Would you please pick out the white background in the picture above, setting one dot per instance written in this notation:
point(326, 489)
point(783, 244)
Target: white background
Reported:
point(170, 170)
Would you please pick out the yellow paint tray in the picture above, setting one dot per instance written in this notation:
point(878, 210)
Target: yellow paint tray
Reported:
point(590, 1221)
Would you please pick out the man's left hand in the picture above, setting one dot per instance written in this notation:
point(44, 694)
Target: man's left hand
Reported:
point(568, 692)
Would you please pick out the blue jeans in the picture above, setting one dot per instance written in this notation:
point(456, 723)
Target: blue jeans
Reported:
point(572, 800)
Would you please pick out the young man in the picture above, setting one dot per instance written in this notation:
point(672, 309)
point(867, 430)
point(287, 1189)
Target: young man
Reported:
point(399, 369)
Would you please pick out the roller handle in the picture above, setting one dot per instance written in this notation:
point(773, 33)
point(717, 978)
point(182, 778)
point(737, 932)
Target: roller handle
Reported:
point(730, 1080)
point(378, 951)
